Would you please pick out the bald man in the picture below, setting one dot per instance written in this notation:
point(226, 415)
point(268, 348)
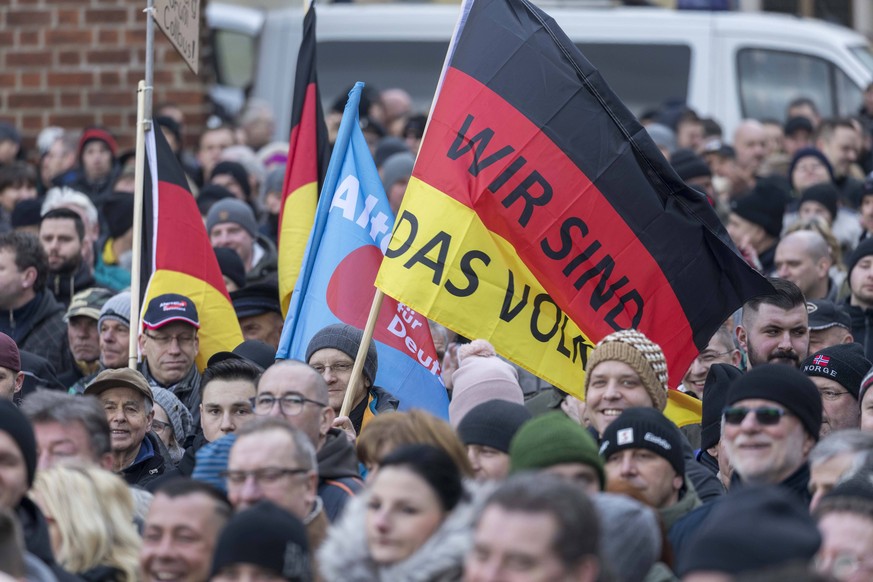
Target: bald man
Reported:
point(804, 258)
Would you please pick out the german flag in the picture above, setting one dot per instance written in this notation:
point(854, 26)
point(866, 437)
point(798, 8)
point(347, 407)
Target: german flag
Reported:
point(542, 217)
point(176, 254)
point(307, 162)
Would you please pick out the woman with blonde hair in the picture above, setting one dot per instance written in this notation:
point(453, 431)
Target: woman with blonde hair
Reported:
point(90, 517)
point(390, 430)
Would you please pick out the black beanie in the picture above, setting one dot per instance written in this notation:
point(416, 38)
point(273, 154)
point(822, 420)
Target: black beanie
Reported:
point(751, 529)
point(118, 211)
point(764, 206)
point(15, 424)
point(493, 424)
point(644, 428)
point(231, 266)
point(864, 248)
point(809, 153)
point(784, 385)
point(825, 194)
point(842, 363)
point(689, 165)
point(26, 213)
point(267, 536)
point(715, 390)
point(209, 195)
point(236, 171)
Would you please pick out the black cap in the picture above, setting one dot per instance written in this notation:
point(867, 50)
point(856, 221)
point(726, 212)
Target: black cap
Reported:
point(493, 424)
point(784, 385)
point(254, 351)
point(751, 529)
point(824, 314)
point(267, 536)
point(715, 390)
point(644, 428)
point(168, 308)
point(797, 123)
point(257, 299)
point(231, 266)
point(764, 206)
point(842, 363)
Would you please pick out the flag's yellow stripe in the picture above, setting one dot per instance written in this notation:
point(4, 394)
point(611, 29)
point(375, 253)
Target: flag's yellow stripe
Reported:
point(296, 223)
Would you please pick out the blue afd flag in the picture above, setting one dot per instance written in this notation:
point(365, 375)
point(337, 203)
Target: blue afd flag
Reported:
point(352, 228)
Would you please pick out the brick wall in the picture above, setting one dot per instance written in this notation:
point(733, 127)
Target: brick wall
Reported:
point(75, 63)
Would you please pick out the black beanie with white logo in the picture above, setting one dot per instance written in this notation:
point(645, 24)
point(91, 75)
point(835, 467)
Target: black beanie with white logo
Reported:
point(644, 428)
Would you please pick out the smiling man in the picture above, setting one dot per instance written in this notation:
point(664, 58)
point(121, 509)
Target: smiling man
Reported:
point(771, 421)
point(719, 350)
point(169, 345)
point(775, 328)
point(181, 531)
point(625, 370)
point(137, 454)
point(644, 449)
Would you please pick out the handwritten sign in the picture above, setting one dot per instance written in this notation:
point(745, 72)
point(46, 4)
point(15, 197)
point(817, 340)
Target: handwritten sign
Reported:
point(180, 21)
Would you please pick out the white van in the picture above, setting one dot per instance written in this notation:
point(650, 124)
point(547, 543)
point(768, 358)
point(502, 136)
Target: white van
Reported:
point(727, 65)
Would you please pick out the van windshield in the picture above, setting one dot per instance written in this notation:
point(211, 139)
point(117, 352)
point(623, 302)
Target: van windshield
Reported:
point(863, 54)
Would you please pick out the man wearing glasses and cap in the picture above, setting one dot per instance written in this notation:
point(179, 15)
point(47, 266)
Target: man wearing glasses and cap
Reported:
point(169, 344)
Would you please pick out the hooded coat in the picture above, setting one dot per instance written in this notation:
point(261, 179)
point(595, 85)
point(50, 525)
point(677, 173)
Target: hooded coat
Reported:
point(346, 556)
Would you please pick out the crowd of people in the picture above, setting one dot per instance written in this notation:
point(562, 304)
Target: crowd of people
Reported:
point(246, 470)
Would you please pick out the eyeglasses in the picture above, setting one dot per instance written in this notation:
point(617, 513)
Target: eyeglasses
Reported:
point(338, 368)
point(159, 425)
point(765, 415)
point(844, 566)
point(265, 476)
point(165, 340)
point(831, 395)
point(290, 404)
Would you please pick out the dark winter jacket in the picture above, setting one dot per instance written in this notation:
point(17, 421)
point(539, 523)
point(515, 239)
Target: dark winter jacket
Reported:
point(39, 327)
point(189, 459)
point(150, 464)
point(267, 266)
point(686, 528)
point(338, 477)
point(64, 285)
point(378, 401)
point(37, 540)
point(862, 326)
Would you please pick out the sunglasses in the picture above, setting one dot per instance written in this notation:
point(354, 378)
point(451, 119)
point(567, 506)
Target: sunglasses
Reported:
point(765, 415)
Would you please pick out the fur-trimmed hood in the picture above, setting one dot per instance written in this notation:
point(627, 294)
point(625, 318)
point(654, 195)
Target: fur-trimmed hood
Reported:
point(345, 556)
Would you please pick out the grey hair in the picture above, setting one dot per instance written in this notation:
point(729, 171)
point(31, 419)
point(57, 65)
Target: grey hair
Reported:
point(853, 441)
point(52, 406)
point(304, 451)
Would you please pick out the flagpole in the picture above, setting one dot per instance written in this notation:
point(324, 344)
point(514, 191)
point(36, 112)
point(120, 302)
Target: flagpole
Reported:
point(351, 392)
point(139, 179)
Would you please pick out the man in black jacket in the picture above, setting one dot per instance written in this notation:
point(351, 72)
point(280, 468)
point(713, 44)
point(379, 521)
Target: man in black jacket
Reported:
point(860, 302)
point(137, 454)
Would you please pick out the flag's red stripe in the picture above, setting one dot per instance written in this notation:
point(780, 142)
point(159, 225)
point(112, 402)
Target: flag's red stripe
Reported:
point(303, 154)
point(181, 245)
point(574, 196)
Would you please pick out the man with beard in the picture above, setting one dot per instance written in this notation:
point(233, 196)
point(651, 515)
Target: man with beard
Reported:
point(61, 232)
point(775, 328)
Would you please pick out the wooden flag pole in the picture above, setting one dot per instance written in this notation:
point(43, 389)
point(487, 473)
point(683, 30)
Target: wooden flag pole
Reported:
point(357, 370)
point(139, 179)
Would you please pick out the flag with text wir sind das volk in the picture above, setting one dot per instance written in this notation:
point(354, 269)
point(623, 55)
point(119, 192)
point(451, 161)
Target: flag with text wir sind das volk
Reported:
point(352, 226)
point(542, 217)
point(176, 254)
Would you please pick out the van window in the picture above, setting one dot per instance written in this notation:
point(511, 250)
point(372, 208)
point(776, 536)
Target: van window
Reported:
point(849, 95)
point(770, 79)
point(234, 58)
point(643, 76)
